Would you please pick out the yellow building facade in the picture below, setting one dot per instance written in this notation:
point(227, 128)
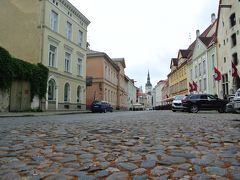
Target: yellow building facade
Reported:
point(178, 75)
point(54, 33)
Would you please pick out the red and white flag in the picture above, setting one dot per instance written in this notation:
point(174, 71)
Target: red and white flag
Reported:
point(218, 75)
point(234, 70)
point(190, 87)
point(195, 86)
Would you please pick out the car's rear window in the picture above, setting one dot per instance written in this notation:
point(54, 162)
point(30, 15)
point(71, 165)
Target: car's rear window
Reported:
point(179, 97)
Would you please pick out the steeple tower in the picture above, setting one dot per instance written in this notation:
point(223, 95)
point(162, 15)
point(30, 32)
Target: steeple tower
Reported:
point(148, 86)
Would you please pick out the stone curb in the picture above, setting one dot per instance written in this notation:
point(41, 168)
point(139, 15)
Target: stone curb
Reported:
point(32, 114)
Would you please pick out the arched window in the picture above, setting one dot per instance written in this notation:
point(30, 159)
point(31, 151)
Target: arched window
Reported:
point(51, 90)
point(79, 94)
point(67, 92)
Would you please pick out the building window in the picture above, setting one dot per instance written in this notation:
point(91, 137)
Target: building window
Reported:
point(69, 31)
point(225, 84)
point(199, 69)
point(204, 67)
point(214, 81)
point(233, 20)
point(67, 62)
point(79, 94)
point(54, 21)
point(225, 60)
point(200, 85)
point(204, 84)
point(196, 72)
point(67, 92)
point(80, 38)
point(191, 75)
point(52, 56)
point(51, 90)
point(235, 58)
point(213, 61)
point(80, 67)
point(234, 40)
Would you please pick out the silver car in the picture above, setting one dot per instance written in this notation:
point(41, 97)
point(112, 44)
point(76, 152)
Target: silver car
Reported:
point(177, 103)
point(236, 101)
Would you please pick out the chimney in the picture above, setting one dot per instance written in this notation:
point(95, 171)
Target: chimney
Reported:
point(213, 18)
point(197, 33)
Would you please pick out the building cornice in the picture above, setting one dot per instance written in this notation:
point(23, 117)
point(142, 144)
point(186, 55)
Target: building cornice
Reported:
point(105, 56)
point(75, 11)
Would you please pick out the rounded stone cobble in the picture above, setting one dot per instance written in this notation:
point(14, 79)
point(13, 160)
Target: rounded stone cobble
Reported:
point(121, 145)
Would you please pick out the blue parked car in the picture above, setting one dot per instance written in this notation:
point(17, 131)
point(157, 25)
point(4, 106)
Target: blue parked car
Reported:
point(101, 106)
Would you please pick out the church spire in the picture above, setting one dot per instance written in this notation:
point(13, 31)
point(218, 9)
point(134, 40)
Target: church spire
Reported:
point(148, 81)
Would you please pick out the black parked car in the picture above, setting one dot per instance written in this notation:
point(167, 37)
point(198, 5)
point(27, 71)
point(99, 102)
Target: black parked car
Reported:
point(101, 106)
point(195, 102)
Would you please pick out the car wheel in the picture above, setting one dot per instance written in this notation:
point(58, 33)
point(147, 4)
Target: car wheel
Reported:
point(194, 108)
point(173, 110)
point(222, 109)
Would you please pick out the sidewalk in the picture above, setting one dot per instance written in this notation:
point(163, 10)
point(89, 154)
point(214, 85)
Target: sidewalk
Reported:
point(45, 113)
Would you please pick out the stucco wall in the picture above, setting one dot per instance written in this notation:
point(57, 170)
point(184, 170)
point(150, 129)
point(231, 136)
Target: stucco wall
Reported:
point(20, 34)
point(224, 46)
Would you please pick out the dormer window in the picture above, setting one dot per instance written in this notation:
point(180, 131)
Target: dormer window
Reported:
point(233, 20)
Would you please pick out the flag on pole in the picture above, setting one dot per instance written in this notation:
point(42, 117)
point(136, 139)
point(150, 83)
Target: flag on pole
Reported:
point(234, 70)
point(190, 87)
point(218, 75)
point(195, 86)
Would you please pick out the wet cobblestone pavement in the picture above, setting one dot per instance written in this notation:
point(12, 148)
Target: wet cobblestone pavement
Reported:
point(145, 145)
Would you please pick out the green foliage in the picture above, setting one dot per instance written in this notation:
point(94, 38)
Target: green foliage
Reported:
point(17, 69)
point(5, 69)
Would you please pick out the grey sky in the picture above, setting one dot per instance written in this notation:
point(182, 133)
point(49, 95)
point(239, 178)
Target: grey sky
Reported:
point(147, 33)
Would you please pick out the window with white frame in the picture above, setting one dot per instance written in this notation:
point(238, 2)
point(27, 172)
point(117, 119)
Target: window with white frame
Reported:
point(213, 61)
point(196, 71)
point(52, 56)
point(214, 81)
point(54, 21)
point(51, 90)
point(67, 62)
point(191, 74)
point(69, 31)
point(80, 66)
point(67, 92)
point(204, 66)
point(200, 85)
point(225, 84)
point(80, 38)
point(199, 69)
point(79, 94)
point(204, 84)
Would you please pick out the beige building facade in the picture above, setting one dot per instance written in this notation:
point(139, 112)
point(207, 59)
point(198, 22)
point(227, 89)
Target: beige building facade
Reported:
point(122, 84)
point(228, 45)
point(51, 32)
point(132, 92)
point(104, 73)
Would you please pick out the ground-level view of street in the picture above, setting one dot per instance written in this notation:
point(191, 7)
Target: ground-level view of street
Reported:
point(121, 145)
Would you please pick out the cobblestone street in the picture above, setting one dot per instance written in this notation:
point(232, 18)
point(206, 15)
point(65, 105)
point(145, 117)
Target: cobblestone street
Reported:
point(121, 145)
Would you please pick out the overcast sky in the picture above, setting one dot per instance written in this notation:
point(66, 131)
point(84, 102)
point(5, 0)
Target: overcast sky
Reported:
point(147, 33)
